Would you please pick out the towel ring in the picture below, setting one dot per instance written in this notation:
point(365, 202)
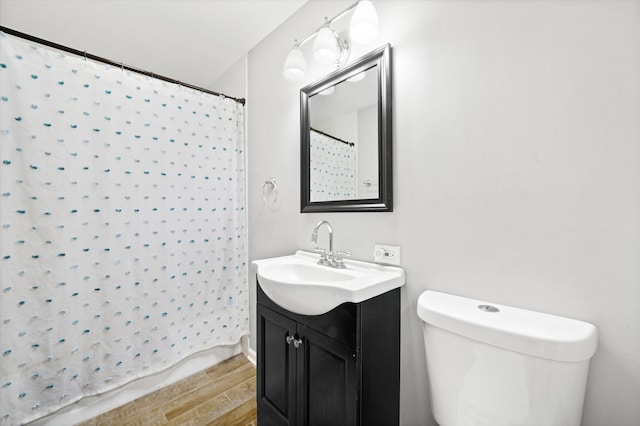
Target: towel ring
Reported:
point(270, 183)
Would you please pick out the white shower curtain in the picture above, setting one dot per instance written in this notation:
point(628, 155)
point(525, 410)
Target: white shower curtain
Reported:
point(333, 168)
point(122, 240)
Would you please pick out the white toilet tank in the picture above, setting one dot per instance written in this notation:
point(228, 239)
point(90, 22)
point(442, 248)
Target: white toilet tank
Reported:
point(496, 365)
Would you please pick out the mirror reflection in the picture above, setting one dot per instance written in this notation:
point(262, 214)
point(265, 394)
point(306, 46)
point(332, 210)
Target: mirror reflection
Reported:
point(344, 139)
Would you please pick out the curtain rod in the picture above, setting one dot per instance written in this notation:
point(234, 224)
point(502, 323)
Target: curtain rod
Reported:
point(332, 137)
point(113, 63)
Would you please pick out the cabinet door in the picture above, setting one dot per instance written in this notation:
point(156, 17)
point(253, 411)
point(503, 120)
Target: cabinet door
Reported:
point(327, 380)
point(276, 368)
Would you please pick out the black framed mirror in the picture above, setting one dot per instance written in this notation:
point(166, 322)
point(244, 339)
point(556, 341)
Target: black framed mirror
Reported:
point(345, 138)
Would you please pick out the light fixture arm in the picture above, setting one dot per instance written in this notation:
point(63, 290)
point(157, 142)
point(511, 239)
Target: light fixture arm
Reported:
point(328, 22)
point(344, 46)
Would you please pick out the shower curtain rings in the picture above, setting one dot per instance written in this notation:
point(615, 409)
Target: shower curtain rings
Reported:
point(270, 183)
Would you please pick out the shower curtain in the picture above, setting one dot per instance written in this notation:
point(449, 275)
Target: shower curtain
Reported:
point(122, 240)
point(332, 168)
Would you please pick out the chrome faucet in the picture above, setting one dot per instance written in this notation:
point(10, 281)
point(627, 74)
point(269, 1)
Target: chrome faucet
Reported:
point(333, 259)
point(324, 259)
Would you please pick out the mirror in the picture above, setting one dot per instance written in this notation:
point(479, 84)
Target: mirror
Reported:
point(345, 136)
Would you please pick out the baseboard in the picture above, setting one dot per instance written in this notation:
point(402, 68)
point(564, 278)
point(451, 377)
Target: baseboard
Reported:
point(252, 356)
point(248, 352)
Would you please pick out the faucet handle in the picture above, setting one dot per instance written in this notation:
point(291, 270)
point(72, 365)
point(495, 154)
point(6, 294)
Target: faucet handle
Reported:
point(324, 260)
point(337, 259)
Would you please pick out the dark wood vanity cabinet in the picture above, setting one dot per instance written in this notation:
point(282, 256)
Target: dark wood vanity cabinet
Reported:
point(339, 368)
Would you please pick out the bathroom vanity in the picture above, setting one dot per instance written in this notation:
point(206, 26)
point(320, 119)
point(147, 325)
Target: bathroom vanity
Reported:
point(341, 367)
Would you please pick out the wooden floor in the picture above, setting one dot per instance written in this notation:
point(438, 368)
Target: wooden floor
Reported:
point(221, 395)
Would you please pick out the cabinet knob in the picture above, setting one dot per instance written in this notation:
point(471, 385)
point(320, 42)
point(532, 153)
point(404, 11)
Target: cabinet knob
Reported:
point(296, 342)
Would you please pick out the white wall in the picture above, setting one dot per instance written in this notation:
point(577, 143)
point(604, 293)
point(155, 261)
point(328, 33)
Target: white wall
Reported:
point(233, 82)
point(516, 169)
point(368, 152)
point(343, 127)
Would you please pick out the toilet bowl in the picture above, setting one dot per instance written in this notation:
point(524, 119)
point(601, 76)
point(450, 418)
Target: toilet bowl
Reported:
point(496, 365)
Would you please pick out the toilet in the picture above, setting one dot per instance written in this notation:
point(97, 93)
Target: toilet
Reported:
point(496, 365)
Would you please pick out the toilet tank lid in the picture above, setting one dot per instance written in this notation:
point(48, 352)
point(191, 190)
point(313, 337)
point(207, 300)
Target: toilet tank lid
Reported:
point(533, 333)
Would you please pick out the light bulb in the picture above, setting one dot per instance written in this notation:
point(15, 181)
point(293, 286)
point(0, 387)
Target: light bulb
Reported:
point(364, 23)
point(295, 65)
point(328, 91)
point(356, 77)
point(325, 47)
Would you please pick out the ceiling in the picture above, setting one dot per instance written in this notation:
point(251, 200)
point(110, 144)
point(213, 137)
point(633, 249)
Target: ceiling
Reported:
point(193, 41)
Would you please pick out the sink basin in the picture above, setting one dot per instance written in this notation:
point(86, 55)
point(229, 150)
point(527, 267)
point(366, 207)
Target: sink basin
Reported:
point(298, 284)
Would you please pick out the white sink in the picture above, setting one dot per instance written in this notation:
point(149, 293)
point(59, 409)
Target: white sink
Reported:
point(298, 284)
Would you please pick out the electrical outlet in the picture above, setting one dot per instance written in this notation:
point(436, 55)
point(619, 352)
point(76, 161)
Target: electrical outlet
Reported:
point(383, 253)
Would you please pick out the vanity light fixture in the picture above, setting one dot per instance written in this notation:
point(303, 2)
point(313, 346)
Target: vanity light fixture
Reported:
point(330, 47)
point(364, 23)
point(295, 66)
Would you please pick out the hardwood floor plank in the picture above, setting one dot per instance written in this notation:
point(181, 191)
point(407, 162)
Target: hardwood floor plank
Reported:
point(228, 365)
point(217, 386)
point(242, 391)
point(148, 417)
point(240, 415)
point(211, 410)
point(246, 412)
point(223, 394)
point(131, 409)
point(204, 413)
